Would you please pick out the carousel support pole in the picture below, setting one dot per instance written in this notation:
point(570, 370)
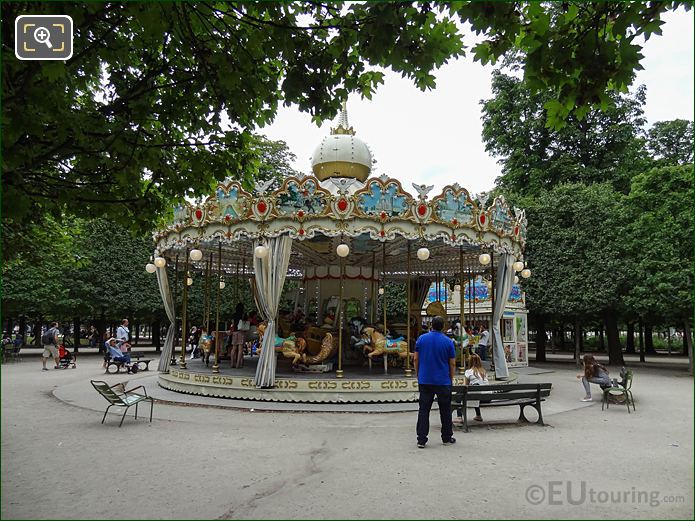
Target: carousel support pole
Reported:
point(408, 371)
point(492, 310)
point(374, 292)
point(462, 329)
point(182, 362)
point(216, 365)
point(383, 267)
point(339, 372)
point(172, 355)
point(208, 293)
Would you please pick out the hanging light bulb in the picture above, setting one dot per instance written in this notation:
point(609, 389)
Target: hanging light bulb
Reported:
point(484, 259)
point(343, 250)
point(423, 254)
point(160, 262)
point(260, 252)
point(196, 254)
point(150, 268)
point(516, 279)
point(189, 280)
point(518, 266)
point(222, 284)
point(526, 273)
point(381, 291)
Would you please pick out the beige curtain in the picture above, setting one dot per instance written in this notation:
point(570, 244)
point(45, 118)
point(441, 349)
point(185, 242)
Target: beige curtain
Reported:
point(270, 275)
point(168, 300)
point(503, 287)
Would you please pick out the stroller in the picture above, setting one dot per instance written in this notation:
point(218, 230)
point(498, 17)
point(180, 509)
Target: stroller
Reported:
point(66, 358)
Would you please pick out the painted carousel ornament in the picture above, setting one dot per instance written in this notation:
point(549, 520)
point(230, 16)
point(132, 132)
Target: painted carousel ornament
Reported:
point(341, 234)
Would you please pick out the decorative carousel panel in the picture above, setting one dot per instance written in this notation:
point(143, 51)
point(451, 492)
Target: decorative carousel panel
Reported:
point(383, 198)
point(232, 202)
point(300, 198)
point(501, 217)
point(455, 207)
point(182, 215)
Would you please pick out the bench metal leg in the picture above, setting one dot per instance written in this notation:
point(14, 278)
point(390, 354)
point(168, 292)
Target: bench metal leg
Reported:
point(540, 413)
point(151, 407)
point(124, 413)
point(136, 410)
point(106, 412)
point(465, 418)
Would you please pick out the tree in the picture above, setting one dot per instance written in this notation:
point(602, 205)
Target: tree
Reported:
point(671, 142)
point(136, 118)
point(603, 146)
point(660, 237)
point(577, 253)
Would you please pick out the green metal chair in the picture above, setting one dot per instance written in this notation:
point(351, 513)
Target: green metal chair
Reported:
point(118, 396)
point(620, 391)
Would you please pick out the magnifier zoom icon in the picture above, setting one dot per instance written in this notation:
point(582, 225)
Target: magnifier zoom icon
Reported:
point(43, 35)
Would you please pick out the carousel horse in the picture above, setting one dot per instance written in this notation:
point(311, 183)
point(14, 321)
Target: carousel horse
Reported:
point(205, 345)
point(374, 343)
point(327, 350)
point(291, 347)
point(259, 343)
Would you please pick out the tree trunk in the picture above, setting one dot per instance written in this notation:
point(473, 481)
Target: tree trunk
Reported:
point(641, 342)
point(37, 331)
point(601, 341)
point(137, 333)
point(577, 342)
point(686, 351)
point(23, 327)
point(76, 326)
point(649, 339)
point(689, 344)
point(156, 335)
point(540, 338)
point(615, 351)
point(630, 339)
point(581, 339)
point(10, 325)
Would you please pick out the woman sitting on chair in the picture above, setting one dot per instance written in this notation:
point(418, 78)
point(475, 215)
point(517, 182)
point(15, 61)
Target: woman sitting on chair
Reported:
point(594, 373)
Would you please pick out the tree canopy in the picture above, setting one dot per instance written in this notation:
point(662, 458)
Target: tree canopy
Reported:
point(161, 99)
point(603, 145)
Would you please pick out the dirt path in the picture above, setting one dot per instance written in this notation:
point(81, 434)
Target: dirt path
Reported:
point(202, 463)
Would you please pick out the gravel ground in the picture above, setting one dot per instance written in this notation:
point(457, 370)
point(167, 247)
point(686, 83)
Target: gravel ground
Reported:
point(59, 462)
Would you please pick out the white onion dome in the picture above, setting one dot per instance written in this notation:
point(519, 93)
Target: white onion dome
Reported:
point(342, 154)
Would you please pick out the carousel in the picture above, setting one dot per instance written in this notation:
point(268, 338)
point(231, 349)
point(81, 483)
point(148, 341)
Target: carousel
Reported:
point(350, 241)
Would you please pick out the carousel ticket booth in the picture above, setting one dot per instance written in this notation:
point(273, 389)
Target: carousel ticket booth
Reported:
point(343, 236)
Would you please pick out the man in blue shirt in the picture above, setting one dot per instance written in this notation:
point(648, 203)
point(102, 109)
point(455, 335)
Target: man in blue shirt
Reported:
point(435, 363)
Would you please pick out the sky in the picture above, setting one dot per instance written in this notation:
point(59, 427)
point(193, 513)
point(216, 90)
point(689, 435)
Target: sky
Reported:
point(434, 137)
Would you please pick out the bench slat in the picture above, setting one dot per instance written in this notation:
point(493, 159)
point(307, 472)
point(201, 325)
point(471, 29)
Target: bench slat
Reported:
point(511, 395)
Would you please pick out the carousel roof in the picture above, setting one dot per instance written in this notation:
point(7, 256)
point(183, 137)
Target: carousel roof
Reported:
point(342, 155)
point(376, 217)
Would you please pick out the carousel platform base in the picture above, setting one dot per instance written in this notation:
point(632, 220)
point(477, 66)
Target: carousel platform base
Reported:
point(359, 384)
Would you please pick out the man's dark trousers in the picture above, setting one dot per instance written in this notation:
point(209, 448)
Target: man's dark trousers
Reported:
point(427, 393)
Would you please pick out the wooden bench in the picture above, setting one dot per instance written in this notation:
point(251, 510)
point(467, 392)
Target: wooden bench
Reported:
point(143, 365)
point(500, 395)
point(136, 361)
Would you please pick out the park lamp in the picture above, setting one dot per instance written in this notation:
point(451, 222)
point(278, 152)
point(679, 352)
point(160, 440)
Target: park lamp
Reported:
point(518, 265)
point(260, 252)
point(196, 254)
point(150, 268)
